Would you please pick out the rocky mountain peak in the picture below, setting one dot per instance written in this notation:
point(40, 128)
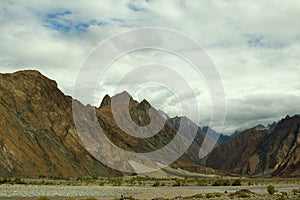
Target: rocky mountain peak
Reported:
point(123, 95)
point(144, 105)
point(30, 77)
point(106, 101)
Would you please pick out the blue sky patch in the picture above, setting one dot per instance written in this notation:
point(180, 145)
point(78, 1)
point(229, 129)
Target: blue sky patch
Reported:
point(61, 22)
point(261, 41)
point(57, 14)
point(255, 41)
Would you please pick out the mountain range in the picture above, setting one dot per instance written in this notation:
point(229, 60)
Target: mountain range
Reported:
point(258, 151)
point(38, 136)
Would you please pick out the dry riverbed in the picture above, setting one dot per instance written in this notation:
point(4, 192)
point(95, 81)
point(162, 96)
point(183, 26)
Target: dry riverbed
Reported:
point(56, 192)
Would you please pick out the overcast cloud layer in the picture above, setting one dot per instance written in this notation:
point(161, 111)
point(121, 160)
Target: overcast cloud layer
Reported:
point(255, 46)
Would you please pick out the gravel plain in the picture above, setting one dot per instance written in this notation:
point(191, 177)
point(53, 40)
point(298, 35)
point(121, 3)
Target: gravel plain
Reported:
point(112, 192)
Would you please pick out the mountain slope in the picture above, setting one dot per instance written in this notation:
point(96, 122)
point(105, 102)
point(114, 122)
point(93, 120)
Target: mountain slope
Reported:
point(139, 113)
point(280, 151)
point(37, 133)
point(38, 136)
point(261, 152)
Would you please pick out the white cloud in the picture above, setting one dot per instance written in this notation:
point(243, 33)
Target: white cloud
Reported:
point(254, 44)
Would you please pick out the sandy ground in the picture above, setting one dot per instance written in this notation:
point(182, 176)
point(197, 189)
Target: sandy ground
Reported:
point(111, 192)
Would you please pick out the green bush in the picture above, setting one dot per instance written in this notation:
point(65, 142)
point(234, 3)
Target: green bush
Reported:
point(243, 194)
point(237, 182)
point(177, 183)
point(197, 196)
point(156, 183)
point(131, 181)
point(101, 183)
point(116, 181)
point(221, 182)
point(271, 189)
point(209, 195)
point(5, 180)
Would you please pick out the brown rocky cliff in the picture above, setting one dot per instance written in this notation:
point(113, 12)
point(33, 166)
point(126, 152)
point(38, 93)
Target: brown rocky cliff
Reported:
point(37, 133)
point(139, 114)
point(280, 151)
point(233, 155)
point(261, 152)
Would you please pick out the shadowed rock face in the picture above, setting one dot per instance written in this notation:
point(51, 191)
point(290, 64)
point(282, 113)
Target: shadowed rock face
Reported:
point(38, 135)
point(280, 151)
point(266, 152)
point(233, 155)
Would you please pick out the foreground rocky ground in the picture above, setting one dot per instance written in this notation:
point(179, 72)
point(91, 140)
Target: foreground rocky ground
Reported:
point(91, 192)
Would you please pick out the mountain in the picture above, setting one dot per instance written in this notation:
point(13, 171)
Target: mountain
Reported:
point(280, 151)
point(224, 138)
point(261, 151)
point(38, 135)
point(139, 114)
point(221, 137)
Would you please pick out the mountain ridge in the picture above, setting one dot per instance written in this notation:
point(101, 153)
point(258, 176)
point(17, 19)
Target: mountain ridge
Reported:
point(37, 135)
point(37, 131)
point(272, 151)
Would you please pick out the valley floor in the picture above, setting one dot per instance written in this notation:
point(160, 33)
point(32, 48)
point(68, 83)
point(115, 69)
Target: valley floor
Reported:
point(63, 192)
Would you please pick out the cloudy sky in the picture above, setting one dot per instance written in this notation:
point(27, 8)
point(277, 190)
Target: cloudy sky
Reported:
point(255, 46)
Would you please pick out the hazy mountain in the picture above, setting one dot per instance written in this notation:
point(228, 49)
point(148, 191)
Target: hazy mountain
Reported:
point(222, 137)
